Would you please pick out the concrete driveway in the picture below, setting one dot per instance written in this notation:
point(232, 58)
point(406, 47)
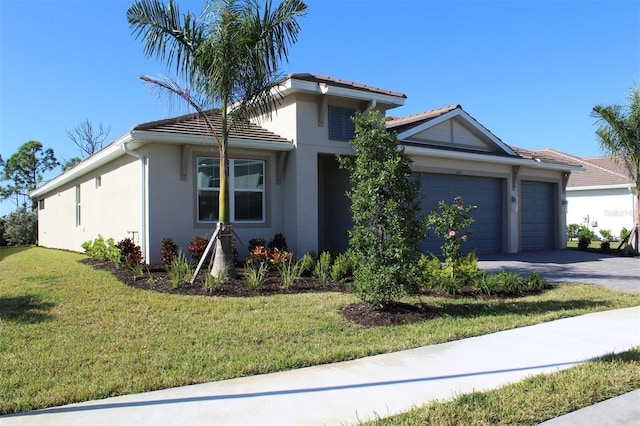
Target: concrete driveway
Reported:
point(570, 266)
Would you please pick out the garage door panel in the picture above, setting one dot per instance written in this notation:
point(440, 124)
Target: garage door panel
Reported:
point(538, 215)
point(486, 193)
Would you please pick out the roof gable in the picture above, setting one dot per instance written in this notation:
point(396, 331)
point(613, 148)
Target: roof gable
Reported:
point(448, 128)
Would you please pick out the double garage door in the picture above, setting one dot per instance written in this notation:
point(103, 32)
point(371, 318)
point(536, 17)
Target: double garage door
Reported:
point(486, 193)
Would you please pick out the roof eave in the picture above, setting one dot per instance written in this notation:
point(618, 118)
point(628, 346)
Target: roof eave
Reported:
point(487, 158)
point(290, 86)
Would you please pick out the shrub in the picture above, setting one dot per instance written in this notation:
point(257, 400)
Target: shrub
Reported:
point(197, 247)
point(624, 234)
point(213, 282)
point(278, 242)
point(384, 206)
point(277, 257)
point(255, 273)
point(307, 263)
point(256, 242)
point(434, 275)
point(342, 267)
point(101, 249)
point(20, 228)
point(322, 269)
point(585, 238)
point(168, 251)
point(258, 254)
point(178, 270)
point(573, 231)
point(452, 223)
point(130, 253)
point(3, 241)
point(466, 269)
point(509, 283)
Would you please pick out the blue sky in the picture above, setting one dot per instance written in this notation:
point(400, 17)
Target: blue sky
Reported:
point(529, 71)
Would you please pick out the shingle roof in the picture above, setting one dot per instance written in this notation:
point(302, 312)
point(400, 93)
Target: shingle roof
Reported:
point(314, 78)
point(598, 171)
point(548, 156)
point(193, 124)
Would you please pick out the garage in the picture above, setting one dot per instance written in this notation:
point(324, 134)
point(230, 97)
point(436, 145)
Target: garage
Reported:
point(485, 192)
point(538, 213)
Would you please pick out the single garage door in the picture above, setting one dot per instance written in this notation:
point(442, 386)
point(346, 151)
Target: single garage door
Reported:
point(486, 193)
point(538, 213)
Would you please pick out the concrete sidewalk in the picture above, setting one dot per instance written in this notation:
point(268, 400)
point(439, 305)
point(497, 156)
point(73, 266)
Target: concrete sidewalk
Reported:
point(360, 390)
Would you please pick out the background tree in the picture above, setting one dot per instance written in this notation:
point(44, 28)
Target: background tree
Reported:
point(20, 227)
point(25, 170)
point(385, 205)
point(87, 138)
point(230, 56)
point(619, 137)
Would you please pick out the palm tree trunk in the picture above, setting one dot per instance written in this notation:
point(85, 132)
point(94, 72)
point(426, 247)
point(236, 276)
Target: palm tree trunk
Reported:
point(633, 244)
point(223, 262)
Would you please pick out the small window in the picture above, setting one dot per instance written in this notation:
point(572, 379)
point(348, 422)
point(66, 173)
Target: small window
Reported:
point(98, 181)
point(246, 190)
point(78, 212)
point(41, 204)
point(341, 127)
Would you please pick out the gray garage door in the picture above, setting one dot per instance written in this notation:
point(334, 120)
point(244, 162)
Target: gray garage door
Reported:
point(538, 215)
point(486, 193)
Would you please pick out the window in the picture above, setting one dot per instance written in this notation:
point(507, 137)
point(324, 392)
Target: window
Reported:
point(341, 128)
point(41, 204)
point(78, 215)
point(246, 190)
point(98, 181)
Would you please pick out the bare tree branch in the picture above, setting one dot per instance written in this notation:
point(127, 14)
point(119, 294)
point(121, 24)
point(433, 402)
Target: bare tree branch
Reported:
point(87, 138)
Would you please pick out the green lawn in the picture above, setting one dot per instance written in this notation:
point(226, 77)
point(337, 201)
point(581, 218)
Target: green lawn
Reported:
point(69, 333)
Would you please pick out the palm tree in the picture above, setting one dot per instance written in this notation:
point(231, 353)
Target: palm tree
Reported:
point(619, 137)
point(230, 56)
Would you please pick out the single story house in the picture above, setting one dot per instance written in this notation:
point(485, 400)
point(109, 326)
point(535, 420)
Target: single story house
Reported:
point(160, 179)
point(602, 197)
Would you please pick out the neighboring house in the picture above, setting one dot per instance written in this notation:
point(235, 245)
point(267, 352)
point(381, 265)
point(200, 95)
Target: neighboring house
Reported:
point(602, 197)
point(160, 179)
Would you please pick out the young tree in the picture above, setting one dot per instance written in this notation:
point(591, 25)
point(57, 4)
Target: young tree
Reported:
point(619, 137)
point(20, 227)
point(385, 204)
point(25, 169)
point(230, 57)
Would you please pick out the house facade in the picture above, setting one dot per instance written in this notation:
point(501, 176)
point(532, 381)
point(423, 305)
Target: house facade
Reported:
point(160, 179)
point(602, 197)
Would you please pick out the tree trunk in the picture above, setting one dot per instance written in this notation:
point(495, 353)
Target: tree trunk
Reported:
point(633, 244)
point(223, 262)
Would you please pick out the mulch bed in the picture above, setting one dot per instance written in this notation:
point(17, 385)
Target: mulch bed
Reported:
point(362, 314)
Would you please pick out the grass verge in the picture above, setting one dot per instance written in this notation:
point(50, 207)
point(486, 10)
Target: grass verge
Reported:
point(69, 333)
point(535, 399)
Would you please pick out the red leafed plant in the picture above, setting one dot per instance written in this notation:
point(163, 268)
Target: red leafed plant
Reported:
point(197, 247)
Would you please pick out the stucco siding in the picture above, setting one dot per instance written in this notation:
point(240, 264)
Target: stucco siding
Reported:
point(109, 207)
point(610, 209)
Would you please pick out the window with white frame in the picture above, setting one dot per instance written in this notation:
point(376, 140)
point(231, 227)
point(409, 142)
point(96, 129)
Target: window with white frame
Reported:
point(341, 127)
point(78, 210)
point(246, 190)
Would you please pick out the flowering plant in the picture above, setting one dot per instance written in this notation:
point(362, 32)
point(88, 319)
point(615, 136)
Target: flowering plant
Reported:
point(451, 222)
point(258, 254)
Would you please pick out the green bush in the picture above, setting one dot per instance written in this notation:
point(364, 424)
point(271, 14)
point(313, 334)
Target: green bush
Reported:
point(255, 273)
point(573, 231)
point(466, 269)
point(510, 283)
point(101, 249)
point(308, 264)
point(289, 271)
point(322, 270)
point(20, 228)
point(436, 276)
point(3, 241)
point(585, 238)
point(342, 267)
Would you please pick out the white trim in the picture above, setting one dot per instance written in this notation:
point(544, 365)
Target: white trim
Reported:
point(292, 85)
point(450, 115)
point(589, 188)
